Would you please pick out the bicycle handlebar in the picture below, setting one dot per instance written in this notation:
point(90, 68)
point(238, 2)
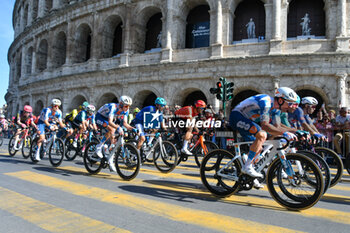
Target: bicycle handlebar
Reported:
point(285, 146)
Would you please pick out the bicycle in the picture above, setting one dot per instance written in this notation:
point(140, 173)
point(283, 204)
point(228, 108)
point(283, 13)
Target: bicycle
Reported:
point(221, 174)
point(127, 158)
point(54, 146)
point(23, 143)
point(72, 152)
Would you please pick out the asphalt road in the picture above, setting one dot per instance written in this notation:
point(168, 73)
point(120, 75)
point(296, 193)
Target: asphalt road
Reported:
point(40, 198)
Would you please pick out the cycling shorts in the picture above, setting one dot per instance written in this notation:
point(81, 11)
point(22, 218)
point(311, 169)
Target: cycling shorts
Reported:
point(42, 127)
point(139, 127)
point(246, 127)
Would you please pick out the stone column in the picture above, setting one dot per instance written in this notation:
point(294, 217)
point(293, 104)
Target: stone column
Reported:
point(21, 21)
point(124, 57)
point(268, 23)
point(56, 4)
point(41, 8)
point(167, 51)
point(342, 18)
point(95, 49)
point(216, 47)
point(341, 89)
point(70, 53)
point(273, 33)
point(276, 20)
point(276, 83)
point(30, 13)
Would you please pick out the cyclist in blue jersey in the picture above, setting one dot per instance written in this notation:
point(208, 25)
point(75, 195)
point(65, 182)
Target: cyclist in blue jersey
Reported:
point(80, 122)
point(252, 116)
point(155, 111)
point(111, 117)
point(48, 119)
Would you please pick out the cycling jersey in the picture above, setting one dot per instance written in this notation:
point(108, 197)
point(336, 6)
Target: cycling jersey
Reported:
point(109, 111)
point(71, 116)
point(297, 117)
point(91, 119)
point(47, 114)
point(186, 112)
point(82, 116)
point(284, 119)
point(21, 116)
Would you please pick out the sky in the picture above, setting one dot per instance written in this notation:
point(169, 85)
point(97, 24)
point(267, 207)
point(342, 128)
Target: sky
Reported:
point(6, 38)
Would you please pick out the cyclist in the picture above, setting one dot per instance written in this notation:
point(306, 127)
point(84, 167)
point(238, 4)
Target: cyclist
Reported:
point(80, 122)
point(23, 120)
point(190, 112)
point(155, 111)
point(301, 116)
point(251, 118)
point(48, 119)
point(3, 123)
point(110, 117)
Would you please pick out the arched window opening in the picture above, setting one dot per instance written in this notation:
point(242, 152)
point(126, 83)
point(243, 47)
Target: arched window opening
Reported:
point(249, 22)
point(42, 56)
point(35, 9)
point(306, 92)
point(154, 32)
point(306, 19)
point(18, 67)
point(29, 61)
point(83, 41)
point(149, 100)
point(193, 97)
point(59, 50)
point(25, 16)
point(198, 27)
point(117, 40)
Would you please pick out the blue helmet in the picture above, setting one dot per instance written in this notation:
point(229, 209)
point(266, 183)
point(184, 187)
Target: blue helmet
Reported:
point(298, 100)
point(160, 101)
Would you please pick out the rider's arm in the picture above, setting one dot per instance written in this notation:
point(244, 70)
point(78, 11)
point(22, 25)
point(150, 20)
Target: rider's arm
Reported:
point(271, 129)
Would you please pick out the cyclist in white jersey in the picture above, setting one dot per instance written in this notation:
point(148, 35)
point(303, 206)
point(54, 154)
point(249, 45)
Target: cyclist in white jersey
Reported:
point(252, 119)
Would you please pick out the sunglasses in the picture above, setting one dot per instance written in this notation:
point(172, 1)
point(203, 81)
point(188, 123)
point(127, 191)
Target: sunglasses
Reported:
point(291, 104)
point(126, 106)
point(312, 106)
point(56, 106)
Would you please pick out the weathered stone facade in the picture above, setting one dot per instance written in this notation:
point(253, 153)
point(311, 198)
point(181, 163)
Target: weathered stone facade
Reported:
point(62, 49)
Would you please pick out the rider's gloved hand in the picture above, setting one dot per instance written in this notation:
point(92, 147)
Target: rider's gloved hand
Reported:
point(290, 136)
point(320, 136)
point(52, 127)
point(134, 130)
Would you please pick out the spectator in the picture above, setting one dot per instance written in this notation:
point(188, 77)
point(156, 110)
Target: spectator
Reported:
point(326, 128)
point(331, 115)
point(342, 122)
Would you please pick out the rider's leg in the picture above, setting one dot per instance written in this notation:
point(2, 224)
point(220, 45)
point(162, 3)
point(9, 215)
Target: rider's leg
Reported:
point(17, 138)
point(187, 139)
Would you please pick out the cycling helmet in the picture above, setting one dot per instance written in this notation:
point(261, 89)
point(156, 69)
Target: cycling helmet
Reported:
point(84, 105)
point(56, 102)
point(136, 110)
point(200, 104)
point(160, 101)
point(2, 116)
point(126, 100)
point(298, 100)
point(28, 108)
point(287, 94)
point(309, 100)
point(90, 108)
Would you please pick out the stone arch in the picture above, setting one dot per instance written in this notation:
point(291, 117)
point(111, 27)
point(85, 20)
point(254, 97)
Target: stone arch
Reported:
point(41, 56)
point(298, 10)
point(35, 4)
point(112, 36)
point(106, 98)
point(144, 98)
point(241, 95)
point(154, 27)
point(246, 11)
point(29, 61)
point(198, 27)
point(75, 102)
point(59, 50)
point(39, 105)
point(83, 42)
point(143, 17)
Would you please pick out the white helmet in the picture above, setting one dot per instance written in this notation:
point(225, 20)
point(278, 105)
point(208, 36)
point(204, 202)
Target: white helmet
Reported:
point(126, 100)
point(90, 108)
point(2, 116)
point(287, 94)
point(309, 100)
point(56, 102)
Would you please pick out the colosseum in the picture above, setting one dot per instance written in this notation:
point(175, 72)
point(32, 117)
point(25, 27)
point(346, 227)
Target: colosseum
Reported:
point(98, 50)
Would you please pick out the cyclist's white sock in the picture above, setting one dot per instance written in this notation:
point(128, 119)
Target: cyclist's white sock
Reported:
point(185, 145)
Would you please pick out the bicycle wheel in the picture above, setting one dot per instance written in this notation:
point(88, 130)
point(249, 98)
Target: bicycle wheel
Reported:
point(127, 161)
point(219, 174)
point(165, 162)
point(300, 194)
point(56, 152)
point(1, 140)
point(92, 162)
point(347, 163)
point(33, 148)
point(12, 150)
point(26, 147)
point(322, 165)
point(334, 161)
point(199, 152)
point(71, 151)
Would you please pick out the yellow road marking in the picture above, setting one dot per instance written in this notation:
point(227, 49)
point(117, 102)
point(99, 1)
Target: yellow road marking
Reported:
point(50, 217)
point(327, 214)
point(170, 211)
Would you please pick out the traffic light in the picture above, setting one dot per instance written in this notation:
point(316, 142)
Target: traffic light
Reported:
point(220, 90)
point(229, 90)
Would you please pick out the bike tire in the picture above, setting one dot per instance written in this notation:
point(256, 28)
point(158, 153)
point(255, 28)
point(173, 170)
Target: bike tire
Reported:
point(92, 162)
point(289, 200)
point(26, 147)
point(33, 148)
point(198, 152)
point(215, 162)
point(1, 140)
point(322, 165)
point(56, 152)
point(70, 151)
point(347, 163)
point(165, 163)
point(11, 146)
point(127, 161)
point(338, 163)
